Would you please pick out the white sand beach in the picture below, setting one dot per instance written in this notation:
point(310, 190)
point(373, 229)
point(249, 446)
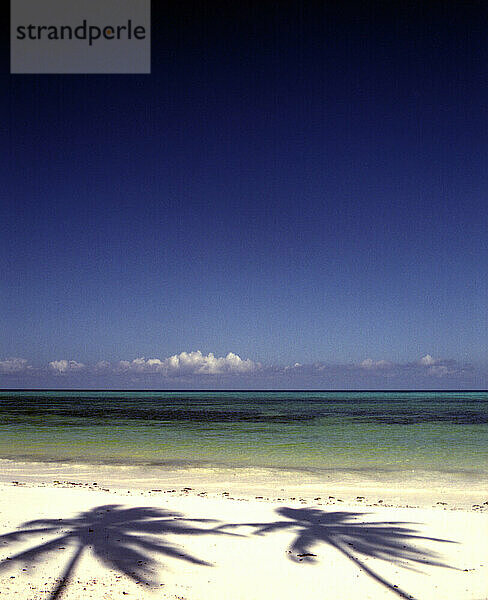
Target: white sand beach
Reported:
point(110, 538)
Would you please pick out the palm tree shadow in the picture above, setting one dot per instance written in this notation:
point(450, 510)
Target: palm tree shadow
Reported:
point(124, 539)
point(388, 541)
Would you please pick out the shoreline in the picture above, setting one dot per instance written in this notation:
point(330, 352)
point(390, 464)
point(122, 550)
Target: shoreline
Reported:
point(257, 483)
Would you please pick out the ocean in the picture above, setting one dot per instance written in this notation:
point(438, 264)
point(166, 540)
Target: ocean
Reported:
point(391, 433)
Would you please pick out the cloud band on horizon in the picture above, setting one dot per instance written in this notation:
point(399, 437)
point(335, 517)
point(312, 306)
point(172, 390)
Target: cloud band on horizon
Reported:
point(196, 364)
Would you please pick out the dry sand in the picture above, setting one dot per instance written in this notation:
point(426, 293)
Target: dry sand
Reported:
point(62, 536)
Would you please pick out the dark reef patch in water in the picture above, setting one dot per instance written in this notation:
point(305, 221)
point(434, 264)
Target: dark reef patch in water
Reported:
point(88, 410)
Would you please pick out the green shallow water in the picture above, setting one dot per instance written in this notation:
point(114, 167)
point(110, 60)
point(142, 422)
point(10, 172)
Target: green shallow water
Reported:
point(364, 431)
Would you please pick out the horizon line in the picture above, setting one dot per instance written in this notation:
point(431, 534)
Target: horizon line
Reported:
point(233, 390)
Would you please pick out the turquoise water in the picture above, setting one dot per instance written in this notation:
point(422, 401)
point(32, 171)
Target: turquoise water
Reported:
point(320, 431)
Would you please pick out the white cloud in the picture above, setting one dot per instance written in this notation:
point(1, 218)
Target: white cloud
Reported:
point(440, 370)
point(427, 366)
point(438, 367)
point(14, 365)
point(369, 363)
point(297, 365)
point(66, 366)
point(189, 363)
point(103, 365)
point(428, 360)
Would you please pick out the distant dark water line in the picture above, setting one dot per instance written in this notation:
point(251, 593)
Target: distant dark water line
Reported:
point(51, 409)
point(160, 419)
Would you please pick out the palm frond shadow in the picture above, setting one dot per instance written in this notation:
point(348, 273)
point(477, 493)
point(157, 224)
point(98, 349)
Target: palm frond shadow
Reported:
point(353, 538)
point(124, 539)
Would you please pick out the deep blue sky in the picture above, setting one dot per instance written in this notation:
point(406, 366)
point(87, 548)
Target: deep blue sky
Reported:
point(289, 184)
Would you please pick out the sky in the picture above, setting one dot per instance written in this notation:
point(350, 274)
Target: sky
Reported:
point(294, 198)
